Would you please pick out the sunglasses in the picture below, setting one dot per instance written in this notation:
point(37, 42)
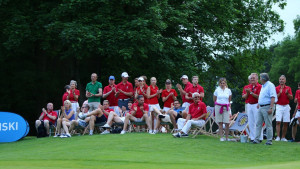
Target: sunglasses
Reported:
point(197, 97)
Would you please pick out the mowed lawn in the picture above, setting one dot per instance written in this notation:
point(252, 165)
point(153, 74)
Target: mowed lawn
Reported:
point(142, 150)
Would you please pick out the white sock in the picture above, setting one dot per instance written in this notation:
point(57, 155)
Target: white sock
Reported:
point(91, 131)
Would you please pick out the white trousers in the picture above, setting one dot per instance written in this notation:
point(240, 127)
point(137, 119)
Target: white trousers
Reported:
point(252, 112)
point(186, 128)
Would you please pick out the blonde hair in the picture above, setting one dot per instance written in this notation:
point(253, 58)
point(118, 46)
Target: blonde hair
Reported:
point(68, 101)
point(221, 80)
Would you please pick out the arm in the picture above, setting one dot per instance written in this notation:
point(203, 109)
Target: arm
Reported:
point(166, 98)
point(99, 94)
point(230, 100)
point(201, 117)
point(187, 96)
point(87, 94)
point(295, 110)
point(202, 94)
point(70, 115)
point(74, 95)
point(50, 116)
point(42, 116)
point(289, 94)
point(215, 98)
point(271, 105)
point(133, 112)
point(254, 95)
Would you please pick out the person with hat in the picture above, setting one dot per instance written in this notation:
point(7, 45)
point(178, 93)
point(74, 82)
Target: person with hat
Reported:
point(168, 95)
point(93, 92)
point(124, 91)
point(195, 117)
point(187, 84)
point(109, 93)
point(141, 89)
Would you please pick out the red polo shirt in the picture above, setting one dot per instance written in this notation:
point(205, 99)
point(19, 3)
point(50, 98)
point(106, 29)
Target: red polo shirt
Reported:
point(192, 89)
point(244, 92)
point(139, 112)
point(52, 113)
point(255, 89)
point(153, 90)
point(297, 96)
point(107, 110)
point(127, 87)
point(170, 100)
point(189, 84)
point(197, 109)
point(71, 98)
point(113, 101)
point(283, 98)
point(64, 98)
point(143, 91)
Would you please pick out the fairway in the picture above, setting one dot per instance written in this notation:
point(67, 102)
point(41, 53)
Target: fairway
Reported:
point(141, 150)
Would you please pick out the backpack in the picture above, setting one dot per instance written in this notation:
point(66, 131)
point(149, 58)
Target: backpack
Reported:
point(116, 130)
point(41, 131)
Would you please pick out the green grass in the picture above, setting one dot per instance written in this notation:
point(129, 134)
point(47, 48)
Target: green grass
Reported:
point(141, 150)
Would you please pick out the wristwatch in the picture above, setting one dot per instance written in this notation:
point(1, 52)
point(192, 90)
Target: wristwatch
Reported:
point(251, 93)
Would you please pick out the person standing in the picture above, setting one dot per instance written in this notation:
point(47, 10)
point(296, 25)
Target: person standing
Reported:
point(222, 97)
point(187, 84)
point(168, 95)
point(251, 95)
point(284, 94)
point(73, 95)
point(93, 92)
point(109, 93)
point(124, 91)
point(141, 89)
point(266, 100)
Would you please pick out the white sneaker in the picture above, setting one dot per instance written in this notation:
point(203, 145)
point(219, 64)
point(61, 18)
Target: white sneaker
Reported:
point(106, 126)
point(284, 139)
point(63, 136)
point(58, 135)
point(123, 132)
point(177, 135)
point(150, 131)
point(155, 131)
point(68, 135)
point(222, 139)
point(277, 138)
point(105, 132)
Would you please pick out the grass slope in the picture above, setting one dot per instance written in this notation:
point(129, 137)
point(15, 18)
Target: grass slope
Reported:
point(141, 150)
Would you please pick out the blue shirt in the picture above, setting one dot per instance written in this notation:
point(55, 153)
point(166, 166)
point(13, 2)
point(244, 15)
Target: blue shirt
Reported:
point(266, 93)
point(179, 109)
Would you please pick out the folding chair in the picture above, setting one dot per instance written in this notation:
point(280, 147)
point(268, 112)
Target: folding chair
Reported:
point(52, 128)
point(241, 123)
point(135, 126)
point(208, 120)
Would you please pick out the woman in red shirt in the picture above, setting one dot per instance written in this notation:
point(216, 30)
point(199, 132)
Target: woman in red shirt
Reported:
point(73, 95)
point(141, 89)
point(153, 94)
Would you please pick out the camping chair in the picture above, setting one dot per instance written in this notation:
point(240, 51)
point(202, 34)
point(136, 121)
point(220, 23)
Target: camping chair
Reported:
point(136, 126)
point(52, 128)
point(208, 119)
point(241, 123)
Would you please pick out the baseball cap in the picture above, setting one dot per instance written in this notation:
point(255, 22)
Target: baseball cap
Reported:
point(195, 94)
point(168, 81)
point(124, 74)
point(184, 77)
point(141, 78)
point(111, 78)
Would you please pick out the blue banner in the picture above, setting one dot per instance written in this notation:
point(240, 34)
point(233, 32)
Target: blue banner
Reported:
point(13, 127)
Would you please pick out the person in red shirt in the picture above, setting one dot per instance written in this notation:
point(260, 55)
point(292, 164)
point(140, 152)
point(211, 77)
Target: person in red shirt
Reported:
point(187, 84)
point(138, 113)
point(153, 94)
point(73, 95)
point(168, 95)
point(47, 117)
point(141, 89)
point(284, 95)
point(296, 113)
point(65, 95)
point(251, 95)
point(109, 94)
point(196, 117)
point(244, 93)
point(193, 89)
point(124, 91)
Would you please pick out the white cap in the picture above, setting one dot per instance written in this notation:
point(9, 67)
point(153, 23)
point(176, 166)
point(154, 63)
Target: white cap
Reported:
point(195, 94)
point(141, 78)
point(184, 77)
point(124, 74)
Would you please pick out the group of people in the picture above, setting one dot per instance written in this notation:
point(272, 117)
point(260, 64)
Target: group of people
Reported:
point(125, 103)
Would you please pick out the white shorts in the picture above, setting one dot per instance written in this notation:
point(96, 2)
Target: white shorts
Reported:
point(74, 106)
point(123, 119)
point(151, 106)
point(186, 105)
point(166, 109)
point(297, 114)
point(283, 113)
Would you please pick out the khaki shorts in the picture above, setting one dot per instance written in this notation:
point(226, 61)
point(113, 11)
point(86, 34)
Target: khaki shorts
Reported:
point(221, 118)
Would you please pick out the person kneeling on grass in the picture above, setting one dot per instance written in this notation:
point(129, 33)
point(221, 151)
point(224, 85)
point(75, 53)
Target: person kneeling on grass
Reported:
point(196, 117)
point(138, 113)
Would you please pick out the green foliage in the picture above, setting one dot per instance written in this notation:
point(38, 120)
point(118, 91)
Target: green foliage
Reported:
point(51, 42)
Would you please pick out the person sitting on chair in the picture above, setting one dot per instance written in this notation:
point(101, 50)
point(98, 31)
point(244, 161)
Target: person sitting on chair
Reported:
point(138, 113)
point(81, 118)
point(47, 116)
point(196, 117)
point(67, 115)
